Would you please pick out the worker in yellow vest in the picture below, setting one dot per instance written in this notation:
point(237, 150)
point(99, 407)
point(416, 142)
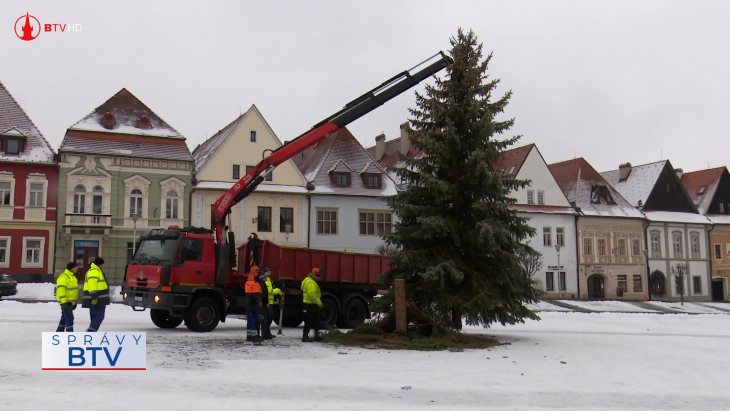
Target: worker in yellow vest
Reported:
point(96, 294)
point(67, 293)
point(312, 299)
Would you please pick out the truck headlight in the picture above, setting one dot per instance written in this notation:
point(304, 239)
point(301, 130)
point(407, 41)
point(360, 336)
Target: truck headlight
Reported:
point(125, 296)
point(157, 298)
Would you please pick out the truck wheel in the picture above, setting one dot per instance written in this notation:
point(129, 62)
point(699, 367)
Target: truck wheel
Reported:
point(203, 315)
point(328, 314)
point(163, 319)
point(355, 313)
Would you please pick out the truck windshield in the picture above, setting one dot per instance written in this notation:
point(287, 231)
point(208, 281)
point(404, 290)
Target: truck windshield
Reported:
point(154, 251)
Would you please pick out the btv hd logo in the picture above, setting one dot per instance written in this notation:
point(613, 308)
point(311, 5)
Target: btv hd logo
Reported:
point(28, 27)
point(94, 351)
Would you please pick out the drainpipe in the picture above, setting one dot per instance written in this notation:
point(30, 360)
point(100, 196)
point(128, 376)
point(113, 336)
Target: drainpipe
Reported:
point(646, 257)
point(577, 253)
point(309, 219)
point(710, 258)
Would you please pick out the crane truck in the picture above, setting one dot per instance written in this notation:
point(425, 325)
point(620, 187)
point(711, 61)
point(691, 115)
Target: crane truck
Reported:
point(191, 274)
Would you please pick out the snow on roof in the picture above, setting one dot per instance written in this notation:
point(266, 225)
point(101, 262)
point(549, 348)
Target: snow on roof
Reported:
point(16, 122)
point(513, 159)
point(719, 218)
point(342, 152)
point(676, 217)
point(639, 184)
point(542, 209)
point(127, 111)
point(578, 180)
point(701, 186)
point(266, 188)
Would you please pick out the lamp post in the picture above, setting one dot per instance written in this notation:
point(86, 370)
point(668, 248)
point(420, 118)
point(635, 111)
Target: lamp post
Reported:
point(135, 217)
point(287, 230)
point(560, 287)
point(648, 277)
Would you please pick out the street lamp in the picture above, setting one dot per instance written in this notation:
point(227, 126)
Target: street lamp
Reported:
point(648, 277)
point(560, 287)
point(135, 217)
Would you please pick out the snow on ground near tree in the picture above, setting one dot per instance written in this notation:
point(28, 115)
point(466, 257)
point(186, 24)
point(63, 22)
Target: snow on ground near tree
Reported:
point(545, 306)
point(599, 361)
point(607, 306)
point(687, 307)
point(724, 306)
point(46, 292)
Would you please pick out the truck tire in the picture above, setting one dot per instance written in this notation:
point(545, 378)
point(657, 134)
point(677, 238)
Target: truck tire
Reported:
point(203, 315)
point(355, 313)
point(163, 319)
point(328, 314)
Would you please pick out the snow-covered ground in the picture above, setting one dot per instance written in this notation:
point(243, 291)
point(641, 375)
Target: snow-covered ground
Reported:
point(597, 361)
point(686, 308)
point(607, 306)
point(545, 306)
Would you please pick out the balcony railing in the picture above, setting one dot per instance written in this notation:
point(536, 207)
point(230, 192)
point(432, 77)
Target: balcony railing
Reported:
point(88, 220)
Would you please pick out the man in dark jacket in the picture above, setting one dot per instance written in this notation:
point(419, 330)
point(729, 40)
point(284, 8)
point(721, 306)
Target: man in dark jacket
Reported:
point(265, 314)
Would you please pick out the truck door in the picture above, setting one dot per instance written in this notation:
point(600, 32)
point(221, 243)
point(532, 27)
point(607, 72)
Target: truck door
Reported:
point(193, 268)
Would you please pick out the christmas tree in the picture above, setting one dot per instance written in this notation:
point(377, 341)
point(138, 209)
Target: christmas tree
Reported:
point(459, 243)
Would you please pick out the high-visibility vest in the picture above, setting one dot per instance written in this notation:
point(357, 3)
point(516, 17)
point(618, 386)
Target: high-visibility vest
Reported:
point(311, 292)
point(95, 287)
point(272, 291)
point(67, 288)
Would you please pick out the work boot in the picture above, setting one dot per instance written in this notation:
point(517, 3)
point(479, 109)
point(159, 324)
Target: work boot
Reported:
point(269, 337)
point(257, 339)
point(305, 338)
point(317, 337)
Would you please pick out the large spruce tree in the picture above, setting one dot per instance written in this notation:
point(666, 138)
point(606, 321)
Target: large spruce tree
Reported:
point(459, 242)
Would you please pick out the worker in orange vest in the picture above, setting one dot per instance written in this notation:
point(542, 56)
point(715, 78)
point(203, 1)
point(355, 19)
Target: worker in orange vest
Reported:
point(253, 303)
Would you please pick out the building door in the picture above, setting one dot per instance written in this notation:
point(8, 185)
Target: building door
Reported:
point(658, 284)
point(718, 290)
point(595, 286)
point(84, 254)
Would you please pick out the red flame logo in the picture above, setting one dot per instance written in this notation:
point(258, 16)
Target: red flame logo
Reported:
point(24, 27)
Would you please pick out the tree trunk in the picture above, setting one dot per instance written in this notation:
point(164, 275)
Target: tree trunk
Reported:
point(456, 318)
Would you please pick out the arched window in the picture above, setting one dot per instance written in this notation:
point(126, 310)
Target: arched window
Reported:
point(79, 199)
point(98, 203)
point(171, 209)
point(135, 202)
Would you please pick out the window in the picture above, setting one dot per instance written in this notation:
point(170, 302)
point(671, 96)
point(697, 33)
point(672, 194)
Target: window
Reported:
point(4, 251)
point(326, 222)
point(12, 145)
point(375, 223)
point(540, 197)
point(512, 170)
point(722, 208)
point(547, 236)
point(135, 202)
point(621, 246)
point(36, 194)
point(374, 181)
point(635, 247)
point(79, 200)
point(130, 251)
point(530, 197)
point(601, 246)
point(622, 282)
point(655, 245)
point(98, 202)
point(342, 179)
point(5, 192)
point(264, 220)
point(270, 176)
point(171, 204)
point(727, 210)
point(253, 136)
point(248, 169)
point(236, 172)
point(32, 252)
point(286, 217)
point(678, 285)
point(601, 195)
point(677, 244)
point(561, 280)
point(549, 286)
point(718, 251)
point(587, 246)
point(191, 250)
point(697, 284)
point(702, 190)
point(695, 245)
point(560, 236)
point(637, 283)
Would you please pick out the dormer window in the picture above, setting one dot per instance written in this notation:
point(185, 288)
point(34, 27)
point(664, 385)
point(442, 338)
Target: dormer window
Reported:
point(12, 146)
point(512, 170)
point(342, 179)
point(373, 180)
point(702, 190)
point(601, 195)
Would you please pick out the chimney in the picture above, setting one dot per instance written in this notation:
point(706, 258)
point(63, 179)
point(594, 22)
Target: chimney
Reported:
point(624, 170)
point(679, 172)
point(405, 140)
point(108, 121)
point(379, 147)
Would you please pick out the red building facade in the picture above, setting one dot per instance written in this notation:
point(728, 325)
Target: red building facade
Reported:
point(28, 195)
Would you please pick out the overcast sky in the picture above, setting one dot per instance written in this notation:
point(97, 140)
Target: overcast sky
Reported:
point(610, 81)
